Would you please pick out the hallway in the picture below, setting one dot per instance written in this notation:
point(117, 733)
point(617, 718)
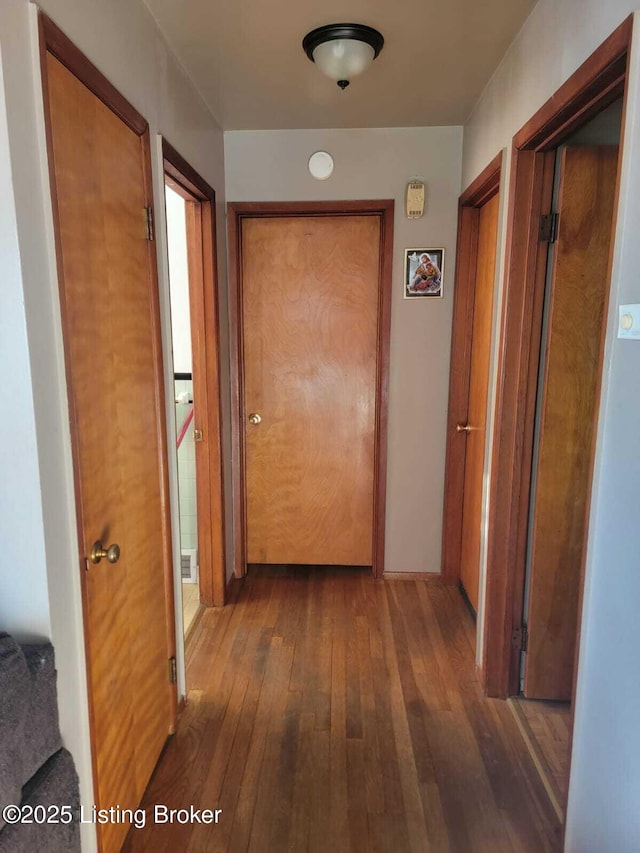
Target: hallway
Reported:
point(330, 712)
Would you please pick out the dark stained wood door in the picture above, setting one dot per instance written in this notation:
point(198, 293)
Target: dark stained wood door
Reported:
point(310, 322)
point(570, 391)
point(112, 346)
point(478, 389)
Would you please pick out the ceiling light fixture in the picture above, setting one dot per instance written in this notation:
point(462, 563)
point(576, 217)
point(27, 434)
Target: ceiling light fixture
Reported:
point(341, 51)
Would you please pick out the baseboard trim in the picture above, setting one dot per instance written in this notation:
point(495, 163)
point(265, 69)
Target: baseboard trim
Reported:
point(429, 577)
point(467, 601)
point(193, 625)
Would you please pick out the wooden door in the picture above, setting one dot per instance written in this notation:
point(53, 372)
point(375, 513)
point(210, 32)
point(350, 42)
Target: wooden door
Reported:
point(566, 431)
point(310, 295)
point(478, 389)
point(111, 335)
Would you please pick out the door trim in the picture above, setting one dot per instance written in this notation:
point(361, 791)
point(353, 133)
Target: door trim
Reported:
point(599, 81)
point(237, 211)
point(200, 199)
point(479, 192)
point(55, 42)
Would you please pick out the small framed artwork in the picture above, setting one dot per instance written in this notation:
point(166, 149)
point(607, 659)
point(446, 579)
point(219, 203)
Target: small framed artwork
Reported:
point(423, 273)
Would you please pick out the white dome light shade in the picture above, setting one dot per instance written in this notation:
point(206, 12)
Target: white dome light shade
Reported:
point(341, 51)
point(342, 59)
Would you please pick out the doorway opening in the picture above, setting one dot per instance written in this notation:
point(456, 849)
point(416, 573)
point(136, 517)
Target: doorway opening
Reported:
point(191, 235)
point(184, 406)
point(549, 376)
point(576, 288)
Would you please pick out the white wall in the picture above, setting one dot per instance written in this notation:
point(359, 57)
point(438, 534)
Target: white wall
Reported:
point(603, 815)
point(272, 166)
point(24, 600)
point(38, 517)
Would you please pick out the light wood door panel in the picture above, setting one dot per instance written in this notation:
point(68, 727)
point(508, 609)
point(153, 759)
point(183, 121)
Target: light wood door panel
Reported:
point(478, 389)
point(310, 307)
point(112, 347)
point(570, 388)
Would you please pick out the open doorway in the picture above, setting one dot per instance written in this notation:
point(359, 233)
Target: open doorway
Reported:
point(576, 293)
point(597, 84)
point(548, 388)
point(184, 405)
point(191, 234)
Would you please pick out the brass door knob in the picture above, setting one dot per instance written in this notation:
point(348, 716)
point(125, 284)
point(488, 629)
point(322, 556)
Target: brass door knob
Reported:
point(465, 428)
point(112, 553)
point(254, 418)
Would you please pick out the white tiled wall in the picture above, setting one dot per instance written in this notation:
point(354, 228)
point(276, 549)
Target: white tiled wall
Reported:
point(186, 471)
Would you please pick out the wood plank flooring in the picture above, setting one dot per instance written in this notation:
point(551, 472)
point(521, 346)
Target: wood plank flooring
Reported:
point(331, 712)
point(546, 728)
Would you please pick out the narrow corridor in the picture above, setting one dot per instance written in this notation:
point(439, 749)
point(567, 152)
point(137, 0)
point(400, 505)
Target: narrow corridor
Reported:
point(330, 712)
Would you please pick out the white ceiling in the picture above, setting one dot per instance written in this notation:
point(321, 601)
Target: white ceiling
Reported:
point(246, 59)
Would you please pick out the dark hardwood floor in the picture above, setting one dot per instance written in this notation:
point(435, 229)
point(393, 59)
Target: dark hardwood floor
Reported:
point(331, 712)
point(546, 729)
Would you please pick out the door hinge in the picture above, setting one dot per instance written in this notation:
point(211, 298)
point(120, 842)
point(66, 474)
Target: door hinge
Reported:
point(173, 671)
point(520, 639)
point(548, 232)
point(148, 212)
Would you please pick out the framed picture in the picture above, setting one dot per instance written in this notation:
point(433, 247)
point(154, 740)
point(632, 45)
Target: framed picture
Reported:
point(423, 273)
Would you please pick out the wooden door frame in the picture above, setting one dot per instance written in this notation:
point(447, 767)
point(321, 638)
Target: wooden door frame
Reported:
point(237, 212)
point(200, 204)
point(54, 41)
point(477, 194)
point(599, 81)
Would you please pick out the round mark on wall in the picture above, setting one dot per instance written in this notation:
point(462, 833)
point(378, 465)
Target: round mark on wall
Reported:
point(321, 165)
